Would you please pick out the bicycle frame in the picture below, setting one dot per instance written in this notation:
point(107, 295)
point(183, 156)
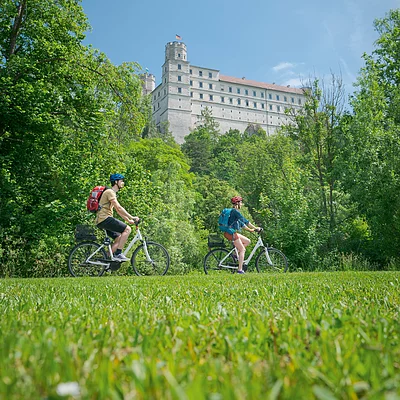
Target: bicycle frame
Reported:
point(259, 244)
point(107, 242)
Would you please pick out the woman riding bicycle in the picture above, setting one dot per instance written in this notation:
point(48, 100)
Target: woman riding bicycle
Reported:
point(236, 222)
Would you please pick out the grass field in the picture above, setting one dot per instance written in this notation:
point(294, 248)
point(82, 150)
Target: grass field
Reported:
point(290, 336)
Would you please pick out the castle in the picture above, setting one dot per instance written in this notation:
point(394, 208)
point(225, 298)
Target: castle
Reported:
point(185, 90)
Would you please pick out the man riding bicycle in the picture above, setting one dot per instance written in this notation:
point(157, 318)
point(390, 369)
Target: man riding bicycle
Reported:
point(236, 222)
point(116, 229)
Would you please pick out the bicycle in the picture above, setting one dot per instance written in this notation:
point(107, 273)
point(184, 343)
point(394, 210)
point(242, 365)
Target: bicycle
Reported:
point(88, 258)
point(269, 259)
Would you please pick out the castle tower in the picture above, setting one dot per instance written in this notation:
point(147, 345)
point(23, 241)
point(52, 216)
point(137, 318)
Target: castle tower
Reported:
point(175, 90)
point(149, 83)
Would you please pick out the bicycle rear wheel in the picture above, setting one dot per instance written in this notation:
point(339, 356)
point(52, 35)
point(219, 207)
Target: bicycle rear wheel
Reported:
point(212, 262)
point(278, 261)
point(158, 263)
point(77, 260)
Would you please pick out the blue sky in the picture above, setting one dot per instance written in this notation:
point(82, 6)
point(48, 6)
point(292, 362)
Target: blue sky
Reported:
point(274, 41)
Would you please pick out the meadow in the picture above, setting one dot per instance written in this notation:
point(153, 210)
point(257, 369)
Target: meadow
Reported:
point(290, 336)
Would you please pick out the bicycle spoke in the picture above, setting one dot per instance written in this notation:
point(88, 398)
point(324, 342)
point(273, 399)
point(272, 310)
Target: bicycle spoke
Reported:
point(212, 262)
point(158, 263)
point(78, 263)
point(275, 262)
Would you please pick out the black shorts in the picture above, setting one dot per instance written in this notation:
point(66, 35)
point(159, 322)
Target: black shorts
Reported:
point(113, 226)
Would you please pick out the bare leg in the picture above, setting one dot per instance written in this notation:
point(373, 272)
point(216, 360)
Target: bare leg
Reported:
point(241, 242)
point(120, 241)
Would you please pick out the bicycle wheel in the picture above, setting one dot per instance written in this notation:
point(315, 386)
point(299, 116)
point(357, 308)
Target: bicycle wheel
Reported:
point(213, 259)
point(278, 260)
point(77, 264)
point(158, 263)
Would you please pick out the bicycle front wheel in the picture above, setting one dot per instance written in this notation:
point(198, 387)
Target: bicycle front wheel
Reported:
point(212, 262)
point(78, 263)
point(157, 262)
point(278, 261)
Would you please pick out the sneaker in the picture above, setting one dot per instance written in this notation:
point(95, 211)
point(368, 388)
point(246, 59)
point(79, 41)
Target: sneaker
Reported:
point(240, 272)
point(120, 258)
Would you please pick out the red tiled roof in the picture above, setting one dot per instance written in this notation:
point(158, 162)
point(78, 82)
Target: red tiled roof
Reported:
point(271, 86)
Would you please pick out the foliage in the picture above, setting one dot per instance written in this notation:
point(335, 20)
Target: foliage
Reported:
point(311, 335)
point(371, 150)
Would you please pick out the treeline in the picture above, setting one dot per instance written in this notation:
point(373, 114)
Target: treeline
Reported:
point(325, 188)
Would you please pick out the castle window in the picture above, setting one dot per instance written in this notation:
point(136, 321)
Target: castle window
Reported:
point(238, 90)
point(262, 106)
point(270, 107)
point(179, 90)
point(210, 85)
point(200, 84)
point(200, 73)
point(278, 108)
point(277, 96)
point(222, 99)
point(230, 101)
point(179, 55)
point(246, 92)
point(255, 105)
point(191, 83)
point(238, 101)
point(190, 71)
point(211, 97)
point(179, 66)
point(299, 101)
point(210, 74)
point(222, 88)
point(179, 78)
point(201, 95)
point(270, 96)
point(247, 103)
point(284, 98)
point(230, 89)
point(292, 99)
point(262, 95)
point(254, 93)
point(191, 94)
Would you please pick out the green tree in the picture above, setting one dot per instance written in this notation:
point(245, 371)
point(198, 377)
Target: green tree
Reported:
point(60, 105)
point(371, 147)
point(199, 144)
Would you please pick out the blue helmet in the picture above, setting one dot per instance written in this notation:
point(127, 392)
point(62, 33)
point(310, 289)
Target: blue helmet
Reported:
point(116, 177)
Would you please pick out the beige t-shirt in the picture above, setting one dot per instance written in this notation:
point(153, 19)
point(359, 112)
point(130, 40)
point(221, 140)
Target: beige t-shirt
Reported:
point(107, 208)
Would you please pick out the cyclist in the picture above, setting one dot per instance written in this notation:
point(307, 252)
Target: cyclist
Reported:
point(116, 229)
point(236, 222)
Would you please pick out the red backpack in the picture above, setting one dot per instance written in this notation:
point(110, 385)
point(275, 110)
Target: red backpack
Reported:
point(92, 203)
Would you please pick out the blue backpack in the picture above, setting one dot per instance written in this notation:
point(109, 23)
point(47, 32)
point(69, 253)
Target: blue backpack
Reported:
point(223, 220)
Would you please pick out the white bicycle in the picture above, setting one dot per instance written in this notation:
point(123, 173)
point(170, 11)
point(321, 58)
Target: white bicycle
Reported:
point(268, 259)
point(89, 258)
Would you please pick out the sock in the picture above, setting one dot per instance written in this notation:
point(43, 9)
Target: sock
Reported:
point(119, 251)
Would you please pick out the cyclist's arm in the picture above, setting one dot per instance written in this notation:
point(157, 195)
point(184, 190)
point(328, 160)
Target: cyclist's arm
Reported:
point(122, 212)
point(250, 227)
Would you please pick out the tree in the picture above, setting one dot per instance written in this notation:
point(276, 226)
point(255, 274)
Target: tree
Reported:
point(199, 144)
point(371, 145)
point(62, 105)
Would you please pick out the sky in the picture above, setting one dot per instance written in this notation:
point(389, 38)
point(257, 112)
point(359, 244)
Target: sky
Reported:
point(286, 42)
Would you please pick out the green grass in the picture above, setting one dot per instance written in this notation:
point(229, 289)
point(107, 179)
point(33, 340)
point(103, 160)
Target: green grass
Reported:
point(291, 336)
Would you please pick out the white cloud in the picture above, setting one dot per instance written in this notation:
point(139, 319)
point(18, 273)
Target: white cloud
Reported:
point(283, 65)
point(294, 82)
